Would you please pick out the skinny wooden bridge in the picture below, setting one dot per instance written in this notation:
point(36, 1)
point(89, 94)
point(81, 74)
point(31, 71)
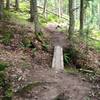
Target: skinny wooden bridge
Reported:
point(57, 62)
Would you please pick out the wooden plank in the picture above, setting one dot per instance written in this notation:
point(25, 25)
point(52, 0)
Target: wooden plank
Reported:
point(57, 63)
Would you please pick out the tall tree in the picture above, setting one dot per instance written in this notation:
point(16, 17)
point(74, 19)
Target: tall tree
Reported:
point(1, 8)
point(71, 19)
point(44, 8)
point(34, 15)
point(81, 16)
point(17, 4)
point(7, 4)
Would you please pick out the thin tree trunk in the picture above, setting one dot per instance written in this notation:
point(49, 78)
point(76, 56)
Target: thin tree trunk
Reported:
point(59, 8)
point(31, 11)
point(34, 16)
point(81, 16)
point(7, 4)
point(17, 4)
point(44, 8)
point(71, 19)
point(1, 8)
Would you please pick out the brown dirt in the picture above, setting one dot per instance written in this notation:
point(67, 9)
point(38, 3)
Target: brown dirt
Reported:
point(56, 37)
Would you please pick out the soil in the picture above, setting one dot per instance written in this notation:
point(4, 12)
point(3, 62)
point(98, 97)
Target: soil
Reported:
point(33, 79)
point(56, 36)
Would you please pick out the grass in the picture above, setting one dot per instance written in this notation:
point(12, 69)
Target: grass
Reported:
point(71, 70)
point(6, 38)
point(3, 65)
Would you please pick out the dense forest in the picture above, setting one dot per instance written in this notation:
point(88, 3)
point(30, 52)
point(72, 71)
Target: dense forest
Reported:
point(49, 49)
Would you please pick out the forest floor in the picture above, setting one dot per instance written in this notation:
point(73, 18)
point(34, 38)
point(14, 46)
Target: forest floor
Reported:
point(30, 72)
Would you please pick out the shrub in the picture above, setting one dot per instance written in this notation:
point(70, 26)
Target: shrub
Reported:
point(66, 58)
point(3, 65)
point(6, 38)
point(45, 46)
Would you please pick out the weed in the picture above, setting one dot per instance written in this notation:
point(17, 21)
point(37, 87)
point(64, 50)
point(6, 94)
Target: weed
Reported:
point(26, 42)
point(66, 58)
point(6, 86)
point(33, 50)
point(3, 66)
point(6, 38)
point(45, 46)
point(29, 86)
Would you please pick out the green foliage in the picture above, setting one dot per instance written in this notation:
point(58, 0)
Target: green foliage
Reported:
point(52, 18)
point(26, 42)
point(3, 65)
point(24, 6)
point(8, 92)
point(33, 50)
point(66, 58)
point(40, 36)
point(93, 43)
point(70, 69)
point(6, 86)
point(1, 78)
point(7, 15)
point(29, 86)
point(45, 46)
point(6, 38)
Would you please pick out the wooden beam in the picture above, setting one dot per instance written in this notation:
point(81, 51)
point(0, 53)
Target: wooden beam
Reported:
point(57, 63)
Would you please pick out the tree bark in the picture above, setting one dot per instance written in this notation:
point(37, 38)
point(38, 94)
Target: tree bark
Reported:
point(71, 19)
point(34, 16)
point(7, 4)
point(17, 4)
point(81, 16)
point(31, 11)
point(44, 8)
point(1, 8)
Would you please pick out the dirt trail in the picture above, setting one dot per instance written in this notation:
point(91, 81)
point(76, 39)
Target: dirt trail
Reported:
point(56, 36)
point(68, 86)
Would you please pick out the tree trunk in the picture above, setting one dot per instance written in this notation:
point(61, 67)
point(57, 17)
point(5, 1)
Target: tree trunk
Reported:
point(44, 8)
point(59, 8)
point(7, 4)
point(31, 11)
point(34, 15)
point(17, 4)
point(1, 8)
point(71, 19)
point(81, 16)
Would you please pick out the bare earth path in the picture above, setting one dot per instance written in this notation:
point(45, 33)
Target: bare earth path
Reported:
point(56, 37)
